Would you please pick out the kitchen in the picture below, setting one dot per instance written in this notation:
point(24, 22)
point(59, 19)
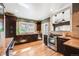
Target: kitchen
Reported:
point(39, 29)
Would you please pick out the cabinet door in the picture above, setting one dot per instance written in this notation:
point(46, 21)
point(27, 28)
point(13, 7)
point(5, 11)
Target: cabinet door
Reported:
point(10, 26)
point(60, 45)
point(38, 26)
point(45, 39)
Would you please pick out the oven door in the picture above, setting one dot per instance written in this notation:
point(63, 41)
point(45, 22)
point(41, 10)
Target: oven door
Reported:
point(52, 42)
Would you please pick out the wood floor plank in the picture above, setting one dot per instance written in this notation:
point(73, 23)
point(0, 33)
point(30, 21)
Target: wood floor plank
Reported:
point(36, 48)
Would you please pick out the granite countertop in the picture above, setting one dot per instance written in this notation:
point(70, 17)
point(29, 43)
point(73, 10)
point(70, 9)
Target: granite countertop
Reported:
point(64, 37)
point(73, 42)
point(7, 42)
point(5, 45)
point(1, 50)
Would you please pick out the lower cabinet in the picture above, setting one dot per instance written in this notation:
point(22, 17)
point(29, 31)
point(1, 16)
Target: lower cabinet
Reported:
point(71, 51)
point(26, 38)
point(60, 45)
point(66, 50)
point(45, 39)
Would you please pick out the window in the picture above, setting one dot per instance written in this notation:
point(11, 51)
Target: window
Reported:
point(25, 27)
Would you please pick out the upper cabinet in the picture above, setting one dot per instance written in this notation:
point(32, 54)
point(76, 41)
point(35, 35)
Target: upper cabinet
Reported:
point(61, 20)
point(10, 26)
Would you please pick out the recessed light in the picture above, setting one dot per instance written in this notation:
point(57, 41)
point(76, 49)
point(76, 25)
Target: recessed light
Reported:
point(51, 9)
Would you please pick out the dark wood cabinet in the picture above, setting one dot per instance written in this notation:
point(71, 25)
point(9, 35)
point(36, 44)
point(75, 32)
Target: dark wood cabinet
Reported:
point(45, 39)
point(60, 45)
point(26, 38)
point(39, 26)
point(75, 7)
point(71, 51)
point(10, 26)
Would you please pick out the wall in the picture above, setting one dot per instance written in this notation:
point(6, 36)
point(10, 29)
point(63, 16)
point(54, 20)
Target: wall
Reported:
point(45, 22)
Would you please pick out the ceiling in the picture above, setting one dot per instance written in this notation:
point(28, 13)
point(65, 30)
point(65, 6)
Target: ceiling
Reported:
point(36, 11)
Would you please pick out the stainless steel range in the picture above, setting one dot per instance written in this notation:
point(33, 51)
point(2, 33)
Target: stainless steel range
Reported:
point(52, 42)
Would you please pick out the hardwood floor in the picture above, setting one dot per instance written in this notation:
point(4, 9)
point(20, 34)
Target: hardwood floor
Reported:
point(36, 48)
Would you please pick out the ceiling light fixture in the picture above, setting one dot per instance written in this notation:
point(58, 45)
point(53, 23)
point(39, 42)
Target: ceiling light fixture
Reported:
point(24, 5)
